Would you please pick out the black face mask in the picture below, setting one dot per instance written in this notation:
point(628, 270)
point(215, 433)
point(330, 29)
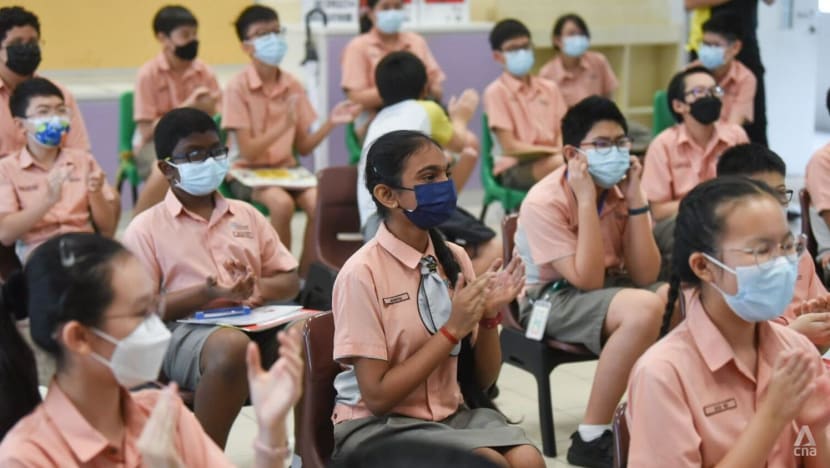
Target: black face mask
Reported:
point(23, 59)
point(706, 109)
point(187, 51)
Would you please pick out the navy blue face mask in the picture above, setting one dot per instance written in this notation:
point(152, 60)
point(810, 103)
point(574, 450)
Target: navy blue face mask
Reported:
point(436, 203)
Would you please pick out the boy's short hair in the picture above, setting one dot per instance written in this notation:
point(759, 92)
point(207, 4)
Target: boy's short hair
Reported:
point(400, 76)
point(170, 17)
point(582, 117)
point(178, 124)
point(676, 90)
point(25, 91)
point(15, 16)
point(505, 30)
point(749, 159)
point(724, 24)
point(253, 14)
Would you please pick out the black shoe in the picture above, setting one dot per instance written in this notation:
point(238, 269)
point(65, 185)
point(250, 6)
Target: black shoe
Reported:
point(597, 453)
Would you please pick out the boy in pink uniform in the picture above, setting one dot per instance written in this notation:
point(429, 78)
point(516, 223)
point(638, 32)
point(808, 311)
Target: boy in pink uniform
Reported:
point(19, 58)
point(721, 45)
point(578, 72)
point(685, 154)
point(45, 188)
point(808, 313)
point(729, 387)
point(173, 78)
point(524, 111)
point(269, 118)
point(585, 235)
point(206, 251)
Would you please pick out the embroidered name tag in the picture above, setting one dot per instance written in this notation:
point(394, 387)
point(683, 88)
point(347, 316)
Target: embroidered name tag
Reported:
point(720, 407)
point(245, 234)
point(396, 299)
point(28, 188)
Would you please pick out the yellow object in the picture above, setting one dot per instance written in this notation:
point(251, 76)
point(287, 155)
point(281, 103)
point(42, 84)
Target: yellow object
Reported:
point(699, 16)
point(82, 34)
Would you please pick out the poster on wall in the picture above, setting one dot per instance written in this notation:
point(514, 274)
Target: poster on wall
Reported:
point(444, 11)
point(339, 12)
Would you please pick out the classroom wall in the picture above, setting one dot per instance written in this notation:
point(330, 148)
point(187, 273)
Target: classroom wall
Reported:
point(81, 34)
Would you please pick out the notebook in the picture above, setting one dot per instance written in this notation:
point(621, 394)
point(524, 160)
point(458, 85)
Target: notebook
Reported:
point(261, 318)
point(292, 178)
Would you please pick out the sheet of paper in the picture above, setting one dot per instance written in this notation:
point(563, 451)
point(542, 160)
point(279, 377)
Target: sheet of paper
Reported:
point(257, 316)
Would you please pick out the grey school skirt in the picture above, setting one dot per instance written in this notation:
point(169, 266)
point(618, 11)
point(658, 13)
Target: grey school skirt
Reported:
point(466, 430)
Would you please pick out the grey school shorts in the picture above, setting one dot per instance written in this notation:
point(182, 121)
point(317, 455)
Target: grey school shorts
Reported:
point(578, 316)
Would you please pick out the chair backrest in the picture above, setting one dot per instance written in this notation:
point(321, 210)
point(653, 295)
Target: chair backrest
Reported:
point(353, 144)
point(661, 117)
point(313, 429)
point(487, 178)
point(806, 223)
point(508, 241)
point(621, 437)
point(126, 124)
point(336, 215)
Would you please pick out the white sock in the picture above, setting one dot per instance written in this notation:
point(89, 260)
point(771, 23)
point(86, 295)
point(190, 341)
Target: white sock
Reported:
point(589, 432)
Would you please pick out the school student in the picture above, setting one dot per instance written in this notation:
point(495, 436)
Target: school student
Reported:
point(206, 251)
point(721, 44)
point(577, 71)
point(401, 79)
point(808, 312)
point(93, 307)
point(380, 35)
point(269, 117)
point(415, 329)
point(686, 154)
point(728, 386)
point(524, 111)
point(173, 78)
point(817, 183)
point(585, 235)
point(48, 189)
point(20, 56)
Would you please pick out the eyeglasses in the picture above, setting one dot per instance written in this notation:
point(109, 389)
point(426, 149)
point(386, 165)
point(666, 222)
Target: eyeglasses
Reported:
point(156, 307)
point(604, 145)
point(280, 32)
point(702, 91)
point(201, 155)
point(514, 48)
point(792, 248)
point(785, 196)
point(45, 112)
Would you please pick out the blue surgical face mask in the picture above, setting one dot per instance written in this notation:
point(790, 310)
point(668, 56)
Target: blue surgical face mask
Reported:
point(575, 46)
point(390, 21)
point(519, 62)
point(49, 131)
point(712, 57)
point(270, 49)
point(201, 178)
point(607, 169)
point(764, 291)
point(436, 203)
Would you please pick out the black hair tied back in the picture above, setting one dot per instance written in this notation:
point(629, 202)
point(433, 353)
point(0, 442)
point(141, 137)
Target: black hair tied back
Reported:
point(13, 296)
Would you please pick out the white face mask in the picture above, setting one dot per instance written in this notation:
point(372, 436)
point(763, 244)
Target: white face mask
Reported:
point(202, 178)
point(137, 357)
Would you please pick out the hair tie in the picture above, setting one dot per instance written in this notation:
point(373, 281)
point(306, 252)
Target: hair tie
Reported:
point(67, 256)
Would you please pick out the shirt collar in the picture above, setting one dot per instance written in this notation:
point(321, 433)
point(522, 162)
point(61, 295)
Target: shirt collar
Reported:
point(376, 40)
point(731, 74)
point(161, 61)
point(712, 345)
point(683, 136)
point(84, 440)
point(559, 66)
point(399, 249)
point(255, 82)
point(516, 85)
point(175, 207)
point(26, 159)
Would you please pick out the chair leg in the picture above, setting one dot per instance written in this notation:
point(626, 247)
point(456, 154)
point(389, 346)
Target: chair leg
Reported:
point(484, 211)
point(135, 194)
point(546, 415)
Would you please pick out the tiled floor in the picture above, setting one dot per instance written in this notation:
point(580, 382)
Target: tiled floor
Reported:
point(570, 383)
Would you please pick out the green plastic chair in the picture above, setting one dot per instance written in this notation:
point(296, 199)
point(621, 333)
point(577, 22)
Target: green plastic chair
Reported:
point(661, 117)
point(353, 144)
point(510, 198)
point(127, 170)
